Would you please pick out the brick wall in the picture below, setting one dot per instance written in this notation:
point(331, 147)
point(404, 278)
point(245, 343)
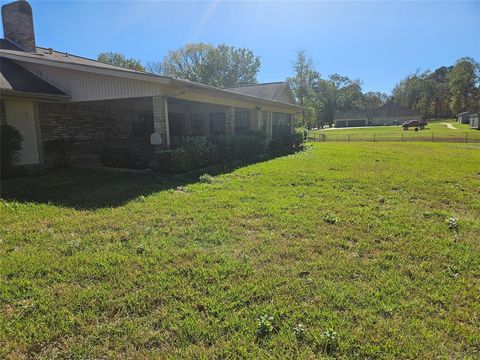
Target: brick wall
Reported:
point(94, 124)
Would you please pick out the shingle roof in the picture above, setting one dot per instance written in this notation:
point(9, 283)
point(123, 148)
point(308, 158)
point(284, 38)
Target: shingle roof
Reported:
point(271, 91)
point(64, 57)
point(16, 79)
point(388, 109)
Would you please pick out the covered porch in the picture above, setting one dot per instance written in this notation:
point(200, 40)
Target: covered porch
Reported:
point(151, 124)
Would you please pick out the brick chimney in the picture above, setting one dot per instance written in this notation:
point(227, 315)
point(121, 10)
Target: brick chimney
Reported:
point(17, 23)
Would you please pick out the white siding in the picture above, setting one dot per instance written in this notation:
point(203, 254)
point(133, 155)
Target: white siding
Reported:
point(84, 86)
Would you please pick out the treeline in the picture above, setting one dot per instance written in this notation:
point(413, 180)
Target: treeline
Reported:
point(442, 93)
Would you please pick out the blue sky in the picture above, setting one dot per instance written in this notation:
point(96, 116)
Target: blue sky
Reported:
point(377, 42)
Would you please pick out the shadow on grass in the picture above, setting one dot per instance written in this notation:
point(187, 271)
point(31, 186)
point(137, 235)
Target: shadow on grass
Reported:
point(89, 189)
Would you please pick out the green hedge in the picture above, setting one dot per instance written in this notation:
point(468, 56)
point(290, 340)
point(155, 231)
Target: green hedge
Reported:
point(196, 152)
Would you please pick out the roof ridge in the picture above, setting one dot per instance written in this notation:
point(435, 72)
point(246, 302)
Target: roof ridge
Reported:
point(67, 54)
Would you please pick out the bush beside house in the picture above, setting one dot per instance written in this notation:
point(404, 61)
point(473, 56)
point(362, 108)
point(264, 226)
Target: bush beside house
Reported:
point(11, 144)
point(191, 153)
point(58, 151)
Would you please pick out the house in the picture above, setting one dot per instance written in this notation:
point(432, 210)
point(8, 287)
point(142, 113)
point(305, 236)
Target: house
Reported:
point(378, 116)
point(464, 117)
point(47, 95)
point(474, 121)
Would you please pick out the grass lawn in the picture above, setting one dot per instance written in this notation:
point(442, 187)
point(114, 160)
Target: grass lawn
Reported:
point(438, 128)
point(344, 250)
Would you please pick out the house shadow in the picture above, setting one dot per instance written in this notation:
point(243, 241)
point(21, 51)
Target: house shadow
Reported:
point(90, 189)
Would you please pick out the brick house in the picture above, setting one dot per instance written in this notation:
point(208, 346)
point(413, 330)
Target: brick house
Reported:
point(376, 117)
point(47, 94)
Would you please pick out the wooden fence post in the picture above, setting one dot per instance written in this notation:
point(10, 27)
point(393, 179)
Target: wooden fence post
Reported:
point(373, 137)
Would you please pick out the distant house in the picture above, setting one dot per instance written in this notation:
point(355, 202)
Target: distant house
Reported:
point(375, 117)
point(474, 121)
point(50, 95)
point(464, 117)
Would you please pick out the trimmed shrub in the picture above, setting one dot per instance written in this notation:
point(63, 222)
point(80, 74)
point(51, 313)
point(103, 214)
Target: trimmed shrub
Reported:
point(298, 138)
point(58, 151)
point(190, 153)
point(11, 144)
point(236, 147)
point(196, 152)
point(121, 156)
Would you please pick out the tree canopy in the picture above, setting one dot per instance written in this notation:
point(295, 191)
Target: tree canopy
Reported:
point(219, 66)
point(119, 59)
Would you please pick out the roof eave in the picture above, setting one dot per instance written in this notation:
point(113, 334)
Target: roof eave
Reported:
point(34, 95)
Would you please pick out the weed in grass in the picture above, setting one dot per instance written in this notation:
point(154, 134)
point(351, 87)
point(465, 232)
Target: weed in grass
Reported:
point(299, 330)
point(265, 326)
point(329, 341)
point(453, 224)
point(206, 179)
point(330, 218)
point(453, 271)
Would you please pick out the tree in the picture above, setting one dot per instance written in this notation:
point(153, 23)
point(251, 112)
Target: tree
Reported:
point(155, 67)
point(303, 86)
point(118, 59)
point(220, 66)
point(462, 82)
point(373, 99)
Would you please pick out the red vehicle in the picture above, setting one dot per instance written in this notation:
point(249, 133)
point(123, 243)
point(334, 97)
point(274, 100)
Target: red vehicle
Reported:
point(417, 124)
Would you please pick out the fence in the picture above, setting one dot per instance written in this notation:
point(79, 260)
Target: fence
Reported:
point(404, 136)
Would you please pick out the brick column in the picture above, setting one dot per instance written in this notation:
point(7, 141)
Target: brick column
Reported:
point(230, 121)
point(160, 119)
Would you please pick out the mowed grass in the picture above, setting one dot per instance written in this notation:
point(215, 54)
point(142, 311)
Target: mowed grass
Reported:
point(435, 131)
point(343, 250)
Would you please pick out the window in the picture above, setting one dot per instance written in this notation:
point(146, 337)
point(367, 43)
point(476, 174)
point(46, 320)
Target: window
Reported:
point(242, 121)
point(142, 124)
point(217, 123)
point(281, 124)
point(176, 123)
point(197, 124)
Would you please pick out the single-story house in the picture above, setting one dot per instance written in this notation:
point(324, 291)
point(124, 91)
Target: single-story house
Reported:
point(464, 117)
point(48, 94)
point(474, 121)
point(376, 117)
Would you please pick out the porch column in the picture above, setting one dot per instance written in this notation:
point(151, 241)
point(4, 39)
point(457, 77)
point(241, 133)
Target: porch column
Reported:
point(258, 117)
point(230, 121)
point(269, 126)
point(160, 120)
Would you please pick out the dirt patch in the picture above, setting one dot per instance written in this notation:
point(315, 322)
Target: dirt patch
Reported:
point(450, 126)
